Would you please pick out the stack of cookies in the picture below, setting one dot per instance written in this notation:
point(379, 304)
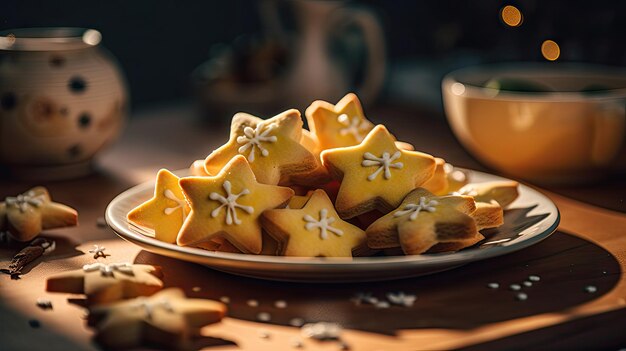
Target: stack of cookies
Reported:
point(344, 187)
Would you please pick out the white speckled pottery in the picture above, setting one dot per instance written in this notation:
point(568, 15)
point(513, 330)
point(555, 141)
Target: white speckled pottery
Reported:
point(62, 98)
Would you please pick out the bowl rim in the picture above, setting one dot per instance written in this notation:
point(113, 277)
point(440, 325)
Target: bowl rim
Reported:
point(586, 69)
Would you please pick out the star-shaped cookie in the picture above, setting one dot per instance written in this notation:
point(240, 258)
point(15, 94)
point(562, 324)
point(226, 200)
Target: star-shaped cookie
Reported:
point(103, 283)
point(502, 191)
point(166, 319)
point(314, 230)
point(272, 147)
point(166, 211)
point(438, 183)
point(488, 215)
point(422, 220)
point(375, 174)
point(26, 215)
point(340, 125)
point(228, 205)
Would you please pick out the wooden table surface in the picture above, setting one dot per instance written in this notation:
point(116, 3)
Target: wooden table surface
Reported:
point(454, 309)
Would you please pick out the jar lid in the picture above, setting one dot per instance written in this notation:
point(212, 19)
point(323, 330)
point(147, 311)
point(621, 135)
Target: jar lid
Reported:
point(48, 39)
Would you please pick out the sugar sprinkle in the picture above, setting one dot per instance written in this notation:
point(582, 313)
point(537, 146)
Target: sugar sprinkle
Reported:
point(591, 289)
point(515, 287)
point(225, 299)
point(253, 303)
point(44, 304)
point(493, 285)
point(534, 278)
point(296, 322)
point(264, 317)
point(522, 296)
point(280, 304)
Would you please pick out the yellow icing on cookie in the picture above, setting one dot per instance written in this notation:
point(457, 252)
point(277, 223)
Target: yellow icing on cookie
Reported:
point(314, 230)
point(423, 220)
point(504, 192)
point(375, 174)
point(438, 183)
point(228, 205)
point(166, 211)
point(338, 125)
point(272, 147)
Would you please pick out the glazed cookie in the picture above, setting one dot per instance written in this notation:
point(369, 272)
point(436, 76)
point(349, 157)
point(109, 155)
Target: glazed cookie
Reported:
point(166, 319)
point(103, 283)
point(272, 147)
point(338, 125)
point(422, 220)
point(314, 230)
point(375, 174)
point(456, 245)
point(166, 211)
point(27, 214)
point(298, 201)
point(197, 169)
point(228, 206)
point(457, 178)
point(319, 175)
point(504, 192)
point(438, 183)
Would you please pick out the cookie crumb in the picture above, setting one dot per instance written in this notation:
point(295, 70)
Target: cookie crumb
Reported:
point(515, 287)
point(280, 304)
point(493, 285)
point(366, 297)
point(382, 304)
point(321, 331)
point(591, 289)
point(264, 334)
point(296, 343)
point(101, 222)
point(296, 322)
point(264, 317)
point(344, 346)
point(44, 304)
point(253, 303)
point(196, 289)
point(401, 299)
point(534, 278)
point(521, 296)
point(225, 299)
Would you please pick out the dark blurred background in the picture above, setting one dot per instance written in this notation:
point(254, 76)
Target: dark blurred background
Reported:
point(160, 43)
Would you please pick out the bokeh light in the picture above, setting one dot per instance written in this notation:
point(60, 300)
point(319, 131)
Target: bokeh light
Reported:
point(511, 16)
point(550, 50)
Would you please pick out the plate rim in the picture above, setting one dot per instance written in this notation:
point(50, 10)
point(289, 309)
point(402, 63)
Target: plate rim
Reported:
point(447, 258)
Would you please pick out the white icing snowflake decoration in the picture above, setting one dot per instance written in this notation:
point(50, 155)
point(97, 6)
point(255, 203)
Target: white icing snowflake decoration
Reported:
point(180, 203)
point(108, 269)
point(230, 202)
point(24, 200)
point(149, 307)
point(415, 209)
point(253, 137)
point(353, 126)
point(324, 224)
point(384, 163)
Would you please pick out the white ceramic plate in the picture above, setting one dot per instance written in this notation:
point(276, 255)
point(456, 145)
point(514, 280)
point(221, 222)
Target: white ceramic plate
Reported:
point(530, 219)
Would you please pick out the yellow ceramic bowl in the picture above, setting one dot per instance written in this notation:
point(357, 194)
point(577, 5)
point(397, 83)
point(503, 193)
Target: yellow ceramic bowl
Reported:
point(572, 131)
